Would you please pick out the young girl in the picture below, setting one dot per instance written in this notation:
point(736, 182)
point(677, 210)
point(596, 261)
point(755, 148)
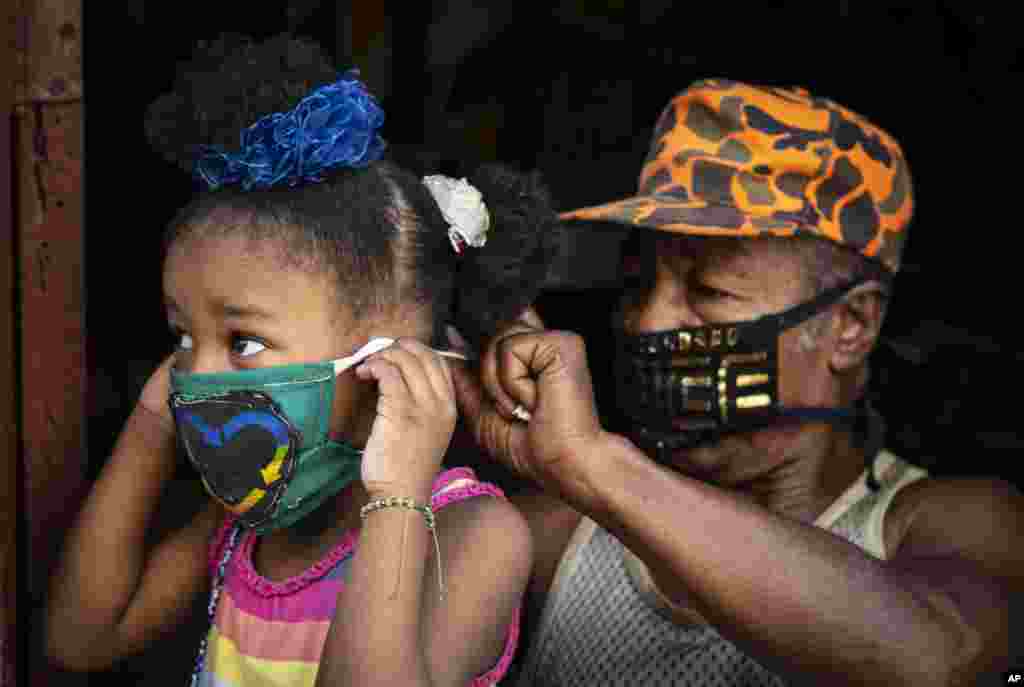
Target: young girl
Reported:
point(318, 550)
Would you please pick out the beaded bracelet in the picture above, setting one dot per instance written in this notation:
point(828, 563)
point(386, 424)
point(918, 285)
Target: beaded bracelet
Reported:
point(409, 504)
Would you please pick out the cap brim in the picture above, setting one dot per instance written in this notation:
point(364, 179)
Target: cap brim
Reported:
point(697, 217)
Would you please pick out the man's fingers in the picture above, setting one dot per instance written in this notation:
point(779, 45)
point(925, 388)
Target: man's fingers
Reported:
point(559, 385)
point(492, 376)
point(516, 374)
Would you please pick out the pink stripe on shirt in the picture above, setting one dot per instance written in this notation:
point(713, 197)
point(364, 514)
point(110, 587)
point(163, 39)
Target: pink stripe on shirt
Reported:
point(272, 640)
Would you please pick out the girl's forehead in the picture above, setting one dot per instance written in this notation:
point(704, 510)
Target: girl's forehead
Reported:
point(225, 247)
point(238, 234)
point(203, 270)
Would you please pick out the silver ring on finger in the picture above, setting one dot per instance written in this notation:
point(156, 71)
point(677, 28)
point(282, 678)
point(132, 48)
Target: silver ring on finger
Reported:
point(521, 413)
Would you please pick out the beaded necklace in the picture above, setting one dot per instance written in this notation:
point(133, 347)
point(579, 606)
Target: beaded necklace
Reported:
point(218, 582)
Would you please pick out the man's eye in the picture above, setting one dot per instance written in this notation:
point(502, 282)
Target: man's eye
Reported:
point(244, 347)
point(705, 291)
point(636, 271)
point(633, 265)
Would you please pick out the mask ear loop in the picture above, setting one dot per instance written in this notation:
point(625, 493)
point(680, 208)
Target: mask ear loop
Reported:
point(376, 345)
point(372, 346)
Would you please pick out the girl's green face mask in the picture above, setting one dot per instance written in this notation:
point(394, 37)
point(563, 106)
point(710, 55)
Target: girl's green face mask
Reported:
point(259, 437)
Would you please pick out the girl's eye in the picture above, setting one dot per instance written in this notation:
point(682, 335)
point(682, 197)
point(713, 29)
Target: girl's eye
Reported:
point(244, 348)
point(184, 341)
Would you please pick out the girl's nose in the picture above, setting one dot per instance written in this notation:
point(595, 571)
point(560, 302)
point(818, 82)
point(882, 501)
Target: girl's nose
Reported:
point(202, 361)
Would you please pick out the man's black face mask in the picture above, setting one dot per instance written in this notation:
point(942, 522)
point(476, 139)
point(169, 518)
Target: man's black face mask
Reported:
point(681, 388)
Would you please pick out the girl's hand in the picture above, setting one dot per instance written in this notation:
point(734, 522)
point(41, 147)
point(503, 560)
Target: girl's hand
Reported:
point(157, 390)
point(416, 415)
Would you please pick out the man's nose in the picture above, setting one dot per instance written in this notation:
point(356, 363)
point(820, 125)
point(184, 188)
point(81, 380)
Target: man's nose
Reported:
point(663, 306)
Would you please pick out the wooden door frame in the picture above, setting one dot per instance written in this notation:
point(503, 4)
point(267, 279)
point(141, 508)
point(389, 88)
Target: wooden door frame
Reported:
point(9, 388)
point(48, 245)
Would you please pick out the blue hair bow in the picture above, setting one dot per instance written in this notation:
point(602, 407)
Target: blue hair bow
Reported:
point(334, 126)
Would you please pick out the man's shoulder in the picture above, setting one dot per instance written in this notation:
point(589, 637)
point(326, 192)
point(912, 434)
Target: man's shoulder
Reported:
point(976, 517)
point(933, 495)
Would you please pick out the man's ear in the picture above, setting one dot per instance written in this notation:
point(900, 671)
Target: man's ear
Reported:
point(856, 324)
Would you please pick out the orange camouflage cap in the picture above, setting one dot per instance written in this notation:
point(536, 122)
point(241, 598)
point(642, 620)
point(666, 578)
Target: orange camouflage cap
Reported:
point(731, 159)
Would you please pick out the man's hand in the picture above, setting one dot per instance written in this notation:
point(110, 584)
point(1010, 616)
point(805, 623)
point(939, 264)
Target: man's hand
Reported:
point(546, 373)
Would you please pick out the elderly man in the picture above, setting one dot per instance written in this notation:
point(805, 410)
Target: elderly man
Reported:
point(747, 527)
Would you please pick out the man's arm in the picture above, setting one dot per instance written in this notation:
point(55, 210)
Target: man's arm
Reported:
point(802, 601)
point(808, 604)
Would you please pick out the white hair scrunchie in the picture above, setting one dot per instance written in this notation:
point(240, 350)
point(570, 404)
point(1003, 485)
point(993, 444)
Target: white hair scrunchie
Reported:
point(462, 206)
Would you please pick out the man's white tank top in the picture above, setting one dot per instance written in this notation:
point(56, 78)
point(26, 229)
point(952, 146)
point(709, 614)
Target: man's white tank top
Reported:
point(604, 623)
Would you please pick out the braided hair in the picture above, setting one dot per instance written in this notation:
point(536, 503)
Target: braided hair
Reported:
point(376, 228)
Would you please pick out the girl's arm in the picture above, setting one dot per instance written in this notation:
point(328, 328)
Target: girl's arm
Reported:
point(487, 555)
point(389, 626)
point(392, 628)
point(107, 597)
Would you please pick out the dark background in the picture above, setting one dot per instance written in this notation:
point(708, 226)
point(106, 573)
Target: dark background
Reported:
point(576, 88)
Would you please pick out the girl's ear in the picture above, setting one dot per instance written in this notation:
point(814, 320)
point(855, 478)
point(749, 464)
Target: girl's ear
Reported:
point(856, 324)
point(355, 407)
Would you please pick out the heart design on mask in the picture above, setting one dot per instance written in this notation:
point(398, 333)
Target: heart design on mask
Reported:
point(244, 454)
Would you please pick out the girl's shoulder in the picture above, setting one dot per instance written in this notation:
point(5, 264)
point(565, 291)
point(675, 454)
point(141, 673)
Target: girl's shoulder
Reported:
point(468, 523)
point(459, 484)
